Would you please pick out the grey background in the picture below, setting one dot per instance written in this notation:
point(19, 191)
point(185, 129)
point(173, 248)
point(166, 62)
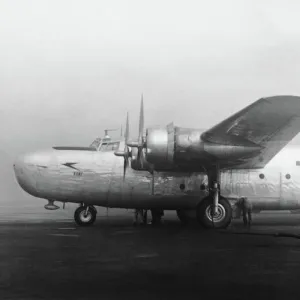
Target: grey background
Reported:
point(70, 69)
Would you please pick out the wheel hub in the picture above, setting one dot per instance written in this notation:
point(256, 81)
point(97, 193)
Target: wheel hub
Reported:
point(85, 217)
point(218, 216)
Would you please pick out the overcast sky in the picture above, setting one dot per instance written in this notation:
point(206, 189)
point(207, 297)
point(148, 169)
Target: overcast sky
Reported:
point(70, 69)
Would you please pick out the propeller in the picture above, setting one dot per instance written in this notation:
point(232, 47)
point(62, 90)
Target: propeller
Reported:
point(140, 156)
point(140, 143)
point(125, 153)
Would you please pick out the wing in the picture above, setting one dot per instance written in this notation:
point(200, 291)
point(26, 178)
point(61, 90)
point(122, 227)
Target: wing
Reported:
point(269, 123)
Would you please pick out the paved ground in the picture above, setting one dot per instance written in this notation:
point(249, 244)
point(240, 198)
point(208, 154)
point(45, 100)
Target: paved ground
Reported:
point(45, 256)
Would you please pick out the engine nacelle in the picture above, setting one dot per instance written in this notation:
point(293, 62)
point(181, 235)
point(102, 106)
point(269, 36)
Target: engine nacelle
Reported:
point(160, 146)
point(173, 148)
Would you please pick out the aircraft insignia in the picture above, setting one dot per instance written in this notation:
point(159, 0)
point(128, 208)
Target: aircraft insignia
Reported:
point(70, 165)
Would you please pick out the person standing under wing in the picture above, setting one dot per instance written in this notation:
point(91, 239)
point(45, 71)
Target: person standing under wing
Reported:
point(245, 206)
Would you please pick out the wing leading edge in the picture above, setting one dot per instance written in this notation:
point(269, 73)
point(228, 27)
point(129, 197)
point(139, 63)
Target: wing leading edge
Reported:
point(269, 123)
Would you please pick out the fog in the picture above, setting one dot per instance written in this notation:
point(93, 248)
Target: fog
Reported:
point(70, 69)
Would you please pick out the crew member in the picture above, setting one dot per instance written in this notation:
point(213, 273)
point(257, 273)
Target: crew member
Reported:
point(245, 205)
point(157, 215)
point(138, 217)
point(145, 217)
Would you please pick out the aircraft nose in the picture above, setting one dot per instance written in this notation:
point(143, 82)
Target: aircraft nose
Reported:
point(34, 159)
point(25, 172)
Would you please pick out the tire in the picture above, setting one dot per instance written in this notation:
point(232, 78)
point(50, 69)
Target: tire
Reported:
point(184, 219)
point(94, 208)
point(83, 220)
point(221, 220)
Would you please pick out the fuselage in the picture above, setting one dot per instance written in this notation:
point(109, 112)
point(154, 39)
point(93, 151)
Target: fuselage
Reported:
point(96, 178)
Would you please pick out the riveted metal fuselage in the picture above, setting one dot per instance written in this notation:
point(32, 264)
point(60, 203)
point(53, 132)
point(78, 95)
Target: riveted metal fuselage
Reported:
point(97, 178)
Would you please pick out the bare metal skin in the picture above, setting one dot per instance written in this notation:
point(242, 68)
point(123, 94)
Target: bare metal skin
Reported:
point(97, 179)
point(243, 155)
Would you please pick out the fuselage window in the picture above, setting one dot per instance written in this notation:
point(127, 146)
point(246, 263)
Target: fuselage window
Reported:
point(297, 163)
point(288, 176)
point(107, 147)
point(261, 176)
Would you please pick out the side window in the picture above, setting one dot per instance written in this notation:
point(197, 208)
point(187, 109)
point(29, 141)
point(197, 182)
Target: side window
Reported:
point(103, 147)
point(95, 144)
point(107, 147)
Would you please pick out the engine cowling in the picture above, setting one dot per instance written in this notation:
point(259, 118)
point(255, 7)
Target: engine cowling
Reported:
point(173, 148)
point(160, 146)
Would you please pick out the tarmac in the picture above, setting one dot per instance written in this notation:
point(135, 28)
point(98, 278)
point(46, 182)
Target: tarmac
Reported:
point(44, 255)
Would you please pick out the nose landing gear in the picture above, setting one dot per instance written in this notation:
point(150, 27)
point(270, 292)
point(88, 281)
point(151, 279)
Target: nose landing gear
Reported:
point(85, 215)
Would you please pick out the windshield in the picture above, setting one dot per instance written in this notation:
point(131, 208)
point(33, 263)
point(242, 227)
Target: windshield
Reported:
point(95, 144)
point(106, 147)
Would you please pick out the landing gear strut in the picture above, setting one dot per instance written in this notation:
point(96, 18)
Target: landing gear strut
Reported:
point(85, 215)
point(214, 211)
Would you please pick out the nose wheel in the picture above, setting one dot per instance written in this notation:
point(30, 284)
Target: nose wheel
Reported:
point(85, 215)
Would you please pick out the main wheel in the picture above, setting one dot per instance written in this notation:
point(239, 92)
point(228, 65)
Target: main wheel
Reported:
point(84, 219)
point(220, 220)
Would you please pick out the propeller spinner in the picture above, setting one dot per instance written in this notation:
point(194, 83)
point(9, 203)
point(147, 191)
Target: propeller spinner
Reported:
point(125, 153)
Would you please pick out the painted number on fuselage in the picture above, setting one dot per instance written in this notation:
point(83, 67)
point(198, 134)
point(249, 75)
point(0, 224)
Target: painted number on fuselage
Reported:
point(77, 173)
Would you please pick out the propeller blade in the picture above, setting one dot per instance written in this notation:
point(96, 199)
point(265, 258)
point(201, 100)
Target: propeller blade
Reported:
point(126, 135)
point(126, 154)
point(141, 122)
point(125, 166)
point(126, 149)
point(140, 158)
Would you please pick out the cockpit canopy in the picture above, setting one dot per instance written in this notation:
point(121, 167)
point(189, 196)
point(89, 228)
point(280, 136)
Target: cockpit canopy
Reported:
point(109, 146)
point(105, 144)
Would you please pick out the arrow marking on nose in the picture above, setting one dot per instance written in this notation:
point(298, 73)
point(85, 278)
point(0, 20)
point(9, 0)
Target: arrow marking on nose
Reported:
point(70, 165)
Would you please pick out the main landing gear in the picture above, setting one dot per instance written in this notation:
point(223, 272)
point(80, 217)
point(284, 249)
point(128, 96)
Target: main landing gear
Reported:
point(214, 211)
point(85, 215)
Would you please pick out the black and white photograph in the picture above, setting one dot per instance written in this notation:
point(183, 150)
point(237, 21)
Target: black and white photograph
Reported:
point(149, 149)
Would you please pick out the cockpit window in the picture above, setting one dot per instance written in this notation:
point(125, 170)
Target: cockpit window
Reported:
point(95, 144)
point(106, 147)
